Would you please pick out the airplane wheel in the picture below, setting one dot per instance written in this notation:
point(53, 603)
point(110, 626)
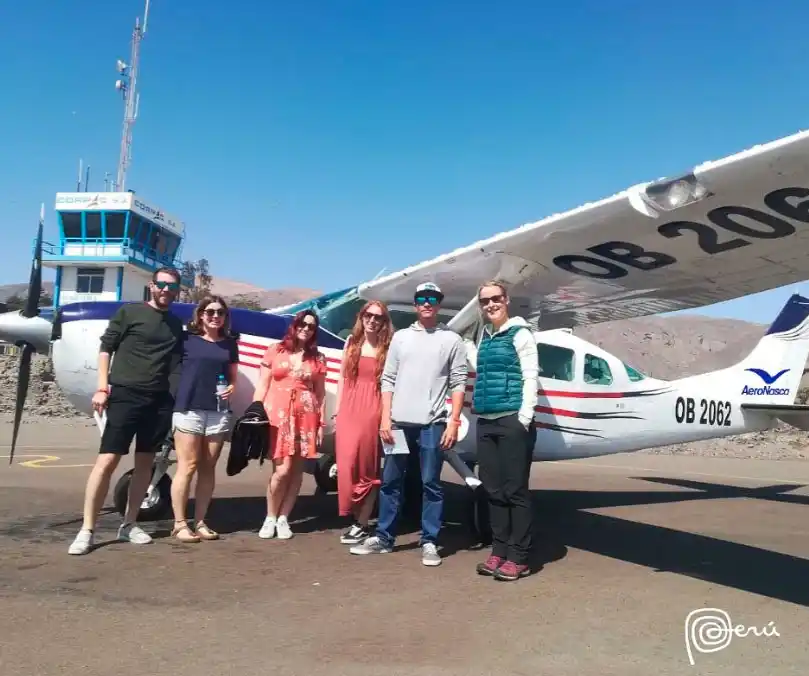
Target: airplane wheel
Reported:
point(154, 506)
point(325, 474)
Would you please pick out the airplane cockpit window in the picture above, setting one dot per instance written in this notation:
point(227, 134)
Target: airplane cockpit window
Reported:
point(633, 374)
point(596, 371)
point(338, 311)
point(555, 362)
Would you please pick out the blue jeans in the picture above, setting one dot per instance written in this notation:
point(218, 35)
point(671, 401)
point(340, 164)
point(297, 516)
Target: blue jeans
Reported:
point(425, 441)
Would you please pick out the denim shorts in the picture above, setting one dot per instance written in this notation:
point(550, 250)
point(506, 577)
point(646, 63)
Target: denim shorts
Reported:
point(203, 423)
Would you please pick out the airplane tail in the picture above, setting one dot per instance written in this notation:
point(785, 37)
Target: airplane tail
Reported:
point(772, 372)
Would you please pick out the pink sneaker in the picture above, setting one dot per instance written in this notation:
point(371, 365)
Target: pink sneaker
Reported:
point(490, 565)
point(510, 571)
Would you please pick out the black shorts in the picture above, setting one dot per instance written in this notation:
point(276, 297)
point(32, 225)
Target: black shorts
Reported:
point(134, 413)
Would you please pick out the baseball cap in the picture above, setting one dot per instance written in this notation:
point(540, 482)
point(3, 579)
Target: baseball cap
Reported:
point(428, 286)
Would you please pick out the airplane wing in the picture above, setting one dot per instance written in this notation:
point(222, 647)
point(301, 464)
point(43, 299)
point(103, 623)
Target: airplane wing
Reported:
point(730, 228)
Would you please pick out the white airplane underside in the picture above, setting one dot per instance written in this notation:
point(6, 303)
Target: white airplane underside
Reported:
point(730, 228)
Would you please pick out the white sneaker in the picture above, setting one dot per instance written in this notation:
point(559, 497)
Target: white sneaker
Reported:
point(429, 555)
point(82, 544)
point(134, 533)
point(372, 545)
point(267, 528)
point(284, 531)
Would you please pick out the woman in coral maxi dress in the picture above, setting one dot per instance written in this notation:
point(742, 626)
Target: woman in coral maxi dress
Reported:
point(292, 387)
point(359, 409)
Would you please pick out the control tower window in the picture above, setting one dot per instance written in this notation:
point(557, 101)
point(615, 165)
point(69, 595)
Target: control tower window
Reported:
point(92, 222)
point(116, 223)
point(140, 229)
point(90, 280)
point(172, 242)
point(71, 224)
point(159, 242)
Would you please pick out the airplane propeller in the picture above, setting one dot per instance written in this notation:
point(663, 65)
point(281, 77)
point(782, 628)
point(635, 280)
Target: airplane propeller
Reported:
point(30, 310)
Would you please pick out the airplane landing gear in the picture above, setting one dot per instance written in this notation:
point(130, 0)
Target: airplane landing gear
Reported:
point(325, 474)
point(480, 525)
point(157, 502)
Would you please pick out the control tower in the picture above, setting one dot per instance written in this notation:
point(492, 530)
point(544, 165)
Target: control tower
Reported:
point(109, 245)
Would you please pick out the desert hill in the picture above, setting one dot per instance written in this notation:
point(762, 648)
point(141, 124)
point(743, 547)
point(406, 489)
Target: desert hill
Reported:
point(228, 288)
point(266, 298)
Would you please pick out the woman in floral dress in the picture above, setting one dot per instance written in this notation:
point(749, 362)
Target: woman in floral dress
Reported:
point(292, 387)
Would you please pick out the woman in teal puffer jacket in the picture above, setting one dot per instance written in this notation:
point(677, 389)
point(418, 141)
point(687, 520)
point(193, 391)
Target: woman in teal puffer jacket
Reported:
point(504, 400)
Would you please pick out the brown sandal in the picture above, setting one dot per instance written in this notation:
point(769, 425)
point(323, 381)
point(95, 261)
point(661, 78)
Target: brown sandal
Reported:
point(180, 527)
point(206, 533)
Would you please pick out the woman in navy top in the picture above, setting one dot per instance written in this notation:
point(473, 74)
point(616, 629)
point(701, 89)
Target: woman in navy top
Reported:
point(202, 418)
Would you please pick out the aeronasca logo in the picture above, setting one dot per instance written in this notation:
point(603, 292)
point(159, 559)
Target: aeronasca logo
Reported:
point(769, 380)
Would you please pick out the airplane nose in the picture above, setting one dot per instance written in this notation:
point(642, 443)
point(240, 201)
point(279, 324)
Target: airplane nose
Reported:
point(16, 329)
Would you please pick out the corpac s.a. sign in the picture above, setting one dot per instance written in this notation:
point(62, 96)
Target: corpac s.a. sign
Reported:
point(93, 201)
point(157, 215)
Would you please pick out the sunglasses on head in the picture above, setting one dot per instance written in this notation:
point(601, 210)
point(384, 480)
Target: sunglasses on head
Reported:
point(171, 286)
point(218, 312)
point(430, 298)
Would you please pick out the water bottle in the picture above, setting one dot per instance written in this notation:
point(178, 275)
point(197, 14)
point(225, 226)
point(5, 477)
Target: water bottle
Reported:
point(221, 386)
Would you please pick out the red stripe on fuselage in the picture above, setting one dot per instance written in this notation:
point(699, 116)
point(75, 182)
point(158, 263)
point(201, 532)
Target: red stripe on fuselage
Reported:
point(557, 411)
point(587, 395)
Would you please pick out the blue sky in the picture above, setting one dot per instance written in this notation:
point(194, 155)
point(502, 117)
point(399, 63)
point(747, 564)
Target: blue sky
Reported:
point(314, 143)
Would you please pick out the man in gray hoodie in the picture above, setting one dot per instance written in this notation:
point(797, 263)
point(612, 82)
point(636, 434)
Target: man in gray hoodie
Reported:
point(426, 365)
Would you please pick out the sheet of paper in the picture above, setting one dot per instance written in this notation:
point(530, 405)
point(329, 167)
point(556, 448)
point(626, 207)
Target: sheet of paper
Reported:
point(101, 421)
point(399, 445)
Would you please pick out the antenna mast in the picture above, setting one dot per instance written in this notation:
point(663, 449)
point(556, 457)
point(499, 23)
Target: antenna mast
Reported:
point(127, 85)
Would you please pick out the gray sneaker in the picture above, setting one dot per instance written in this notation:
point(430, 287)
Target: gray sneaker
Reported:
point(372, 545)
point(429, 555)
point(134, 533)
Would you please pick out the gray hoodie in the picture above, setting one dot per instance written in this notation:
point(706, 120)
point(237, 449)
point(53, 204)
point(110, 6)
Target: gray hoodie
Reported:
point(423, 367)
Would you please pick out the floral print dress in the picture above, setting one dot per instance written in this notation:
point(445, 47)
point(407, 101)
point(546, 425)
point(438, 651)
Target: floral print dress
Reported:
point(292, 403)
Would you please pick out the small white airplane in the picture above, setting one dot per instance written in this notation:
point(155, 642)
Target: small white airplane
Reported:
point(727, 229)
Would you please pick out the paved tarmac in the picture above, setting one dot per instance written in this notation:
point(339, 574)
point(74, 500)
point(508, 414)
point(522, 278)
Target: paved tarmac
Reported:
point(629, 545)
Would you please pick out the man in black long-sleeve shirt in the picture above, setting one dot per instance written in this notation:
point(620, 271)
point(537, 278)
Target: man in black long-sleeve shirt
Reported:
point(144, 341)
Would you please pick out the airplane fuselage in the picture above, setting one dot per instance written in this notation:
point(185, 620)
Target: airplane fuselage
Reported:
point(589, 403)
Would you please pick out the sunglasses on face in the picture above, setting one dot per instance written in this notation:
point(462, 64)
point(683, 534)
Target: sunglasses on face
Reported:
point(431, 299)
point(491, 299)
point(307, 326)
point(214, 312)
point(171, 286)
point(373, 317)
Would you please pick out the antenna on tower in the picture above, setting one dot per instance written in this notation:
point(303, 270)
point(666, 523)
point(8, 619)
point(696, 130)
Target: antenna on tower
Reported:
point(127, 85)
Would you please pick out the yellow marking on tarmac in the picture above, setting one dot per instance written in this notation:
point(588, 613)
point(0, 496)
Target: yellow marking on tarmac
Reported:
point(42, 461)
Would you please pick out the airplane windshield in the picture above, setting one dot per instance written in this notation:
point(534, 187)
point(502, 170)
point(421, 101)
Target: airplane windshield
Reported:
point(634, 374)
point(338, 311)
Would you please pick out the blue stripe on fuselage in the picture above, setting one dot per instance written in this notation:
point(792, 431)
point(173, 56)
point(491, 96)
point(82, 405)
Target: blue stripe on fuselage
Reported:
point(242, 321)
